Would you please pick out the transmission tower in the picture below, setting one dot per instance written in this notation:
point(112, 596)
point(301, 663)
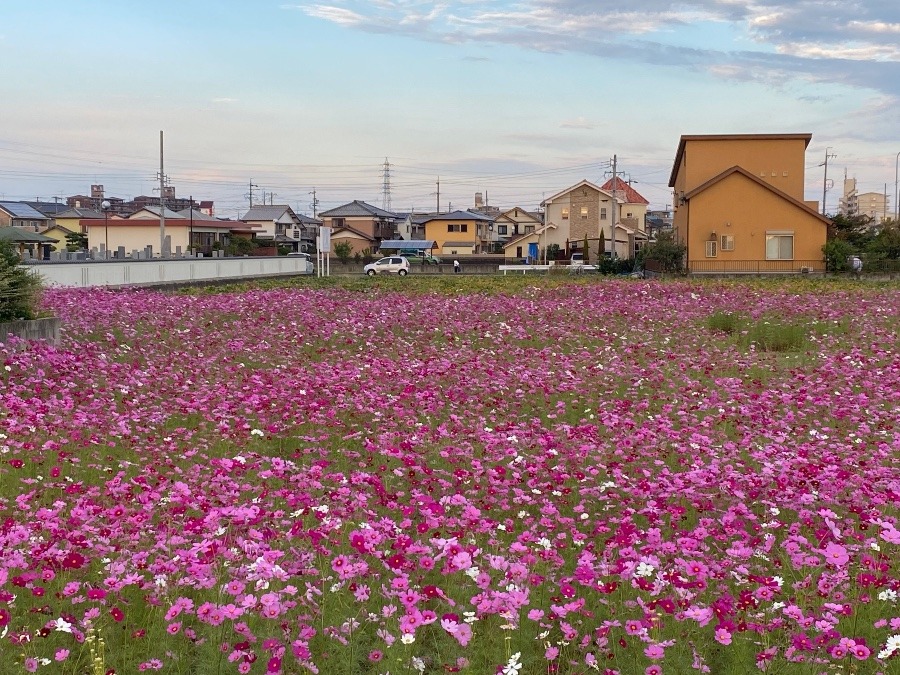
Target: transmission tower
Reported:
point(386, 186)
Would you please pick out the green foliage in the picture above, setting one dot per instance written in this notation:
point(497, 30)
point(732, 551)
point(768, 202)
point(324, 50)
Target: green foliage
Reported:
point(284, 250)
point(343, 250)
point(19, 287)
point(367, 255)
point(601, 247)
point(240, 246)
point(587, 253)
point(886, 244)
point(357, 257)
point(836, 253)
point(724, 322)
point(76, 241)
point(855, 230)
point(774, 336)
point(666, 252)
point(553, 251)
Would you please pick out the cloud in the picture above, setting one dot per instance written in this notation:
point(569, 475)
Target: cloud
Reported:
point(577, 123)
point(852, 44)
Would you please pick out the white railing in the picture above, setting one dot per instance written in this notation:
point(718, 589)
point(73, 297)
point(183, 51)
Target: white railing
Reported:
point(158, 272)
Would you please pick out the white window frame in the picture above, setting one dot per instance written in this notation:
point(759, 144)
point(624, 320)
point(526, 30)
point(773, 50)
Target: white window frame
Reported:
point(584, 212)
point(712, 248)
point(565, 213)
point(727, 243)
point(779, 234)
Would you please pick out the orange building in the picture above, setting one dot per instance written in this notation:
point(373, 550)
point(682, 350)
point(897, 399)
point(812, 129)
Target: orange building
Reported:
point(739, 204)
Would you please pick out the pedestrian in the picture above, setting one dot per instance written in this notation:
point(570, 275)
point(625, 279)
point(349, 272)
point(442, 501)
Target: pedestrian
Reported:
point(456, 266)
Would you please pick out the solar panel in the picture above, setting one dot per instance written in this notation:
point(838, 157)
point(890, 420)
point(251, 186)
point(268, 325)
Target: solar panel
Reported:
point(22, 210)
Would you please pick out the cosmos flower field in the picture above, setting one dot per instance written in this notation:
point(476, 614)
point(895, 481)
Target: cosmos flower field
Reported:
point(528, 477)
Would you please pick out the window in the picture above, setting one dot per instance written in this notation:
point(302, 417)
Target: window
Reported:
point(727, 242)
point(337, 222)
point(565, 213)
point(501, 230)
point(602, 213)
point(529, 229)
point(296, 234)
point(584, 212)
point(779, 245)
point(711, 249)
point(457, 227)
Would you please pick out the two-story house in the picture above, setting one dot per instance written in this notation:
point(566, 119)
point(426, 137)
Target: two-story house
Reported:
point(739, 204)
point(582, 212)
point(278, 225)
point(360, 224)
point(460, 232)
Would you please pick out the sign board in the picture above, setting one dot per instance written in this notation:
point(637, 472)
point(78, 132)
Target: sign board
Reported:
point(325, 239)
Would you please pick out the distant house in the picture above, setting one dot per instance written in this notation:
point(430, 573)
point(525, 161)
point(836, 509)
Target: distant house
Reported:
point(581, 211)
point(358, 217)
point(20, 214)
point(739, 204)
point(59, 232)
point(512, 223)
point(518, 247)
point(459, 232)
point(278, 225)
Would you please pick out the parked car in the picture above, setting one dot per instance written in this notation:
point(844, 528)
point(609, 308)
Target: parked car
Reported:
point(395, 264)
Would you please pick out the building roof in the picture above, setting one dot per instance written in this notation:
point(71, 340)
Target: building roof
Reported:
point(306, 220)
point(268, 212)
point(352, 230)
point(198, 215)
point(22, 236)
point(22, 210)
point(731, 137)
point(411, 244)
point(79, 213)
point(583, 183)
point(48, 208)
point(632, 196)
point(358, 208)
point(154, 209)
point(459, 215)
point(746, 174)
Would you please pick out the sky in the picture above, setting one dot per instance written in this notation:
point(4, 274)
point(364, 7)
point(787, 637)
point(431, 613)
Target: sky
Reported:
point(517, 100)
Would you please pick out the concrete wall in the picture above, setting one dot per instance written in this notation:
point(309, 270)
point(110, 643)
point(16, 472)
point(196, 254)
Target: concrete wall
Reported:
point(159, 272)
point(37, 329)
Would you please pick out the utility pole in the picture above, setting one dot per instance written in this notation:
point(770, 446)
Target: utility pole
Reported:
point(315, 202)
point(253, 185)
point(439, 194)
point(825, 179)
point(612, 229)
point(162, 200)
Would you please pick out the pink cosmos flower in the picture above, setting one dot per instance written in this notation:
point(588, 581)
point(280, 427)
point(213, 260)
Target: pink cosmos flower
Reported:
point(61, 654)
point(723, 636)
point(836, 555)
point(653, 670)
point(655, 652)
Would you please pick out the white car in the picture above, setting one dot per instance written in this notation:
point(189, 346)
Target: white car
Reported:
point(395, 264)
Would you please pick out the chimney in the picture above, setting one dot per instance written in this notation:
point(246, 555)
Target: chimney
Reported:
point(96, 192)
point(479, 201)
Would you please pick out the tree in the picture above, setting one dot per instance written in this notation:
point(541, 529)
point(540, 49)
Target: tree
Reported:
point(667, 252)
point(240, 246)
point(587, 254)
point(836, 253)
point(601, 247)
point(343, 250)
point(19, 287)
point(76, 241)
point(886, 244)
point(855, 230)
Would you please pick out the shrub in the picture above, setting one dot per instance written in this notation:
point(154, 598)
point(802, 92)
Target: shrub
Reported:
point(19, 287)
point(836, 253)
point(724, 322)
point(343, 250)
point(773, 336)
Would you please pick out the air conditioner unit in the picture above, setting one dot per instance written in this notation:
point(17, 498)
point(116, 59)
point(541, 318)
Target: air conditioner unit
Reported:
point(805, 270)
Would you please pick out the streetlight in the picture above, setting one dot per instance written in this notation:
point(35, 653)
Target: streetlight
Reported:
point(104, 205)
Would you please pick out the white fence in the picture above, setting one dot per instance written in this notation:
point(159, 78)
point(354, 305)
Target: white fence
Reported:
point(172, 271)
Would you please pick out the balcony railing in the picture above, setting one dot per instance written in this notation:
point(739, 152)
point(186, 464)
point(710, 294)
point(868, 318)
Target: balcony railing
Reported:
point(755, 266)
